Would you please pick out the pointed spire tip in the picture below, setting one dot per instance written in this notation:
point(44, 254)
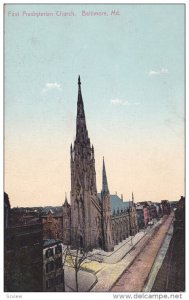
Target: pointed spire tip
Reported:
point(104, 178)
point(79, 81)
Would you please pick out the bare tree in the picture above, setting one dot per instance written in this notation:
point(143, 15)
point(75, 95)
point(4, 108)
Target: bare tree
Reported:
point(78, 256)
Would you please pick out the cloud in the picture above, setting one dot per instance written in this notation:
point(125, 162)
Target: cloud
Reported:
point(51, 86)
point(158, 72)
point(123, 102)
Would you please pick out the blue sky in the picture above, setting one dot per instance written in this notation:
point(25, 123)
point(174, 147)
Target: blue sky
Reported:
point(132, 74)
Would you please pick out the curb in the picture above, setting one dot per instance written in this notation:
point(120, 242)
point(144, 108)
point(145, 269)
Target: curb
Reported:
point(168, 234)
point(137, 254)
point(140, 250)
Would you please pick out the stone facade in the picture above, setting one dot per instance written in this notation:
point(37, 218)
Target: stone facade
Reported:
point(85, 205)
point(90, 221)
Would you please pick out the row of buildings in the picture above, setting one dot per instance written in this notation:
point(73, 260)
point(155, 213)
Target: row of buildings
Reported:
point(147, 211)
point(34, 240)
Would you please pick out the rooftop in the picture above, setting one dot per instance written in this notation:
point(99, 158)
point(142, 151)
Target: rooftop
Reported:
point(117, 203)
point(50, 242)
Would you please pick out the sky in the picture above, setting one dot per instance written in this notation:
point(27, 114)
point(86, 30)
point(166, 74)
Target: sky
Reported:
point(132, 72)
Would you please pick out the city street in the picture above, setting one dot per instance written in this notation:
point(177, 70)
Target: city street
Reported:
point(126, 268)
point(134, 278)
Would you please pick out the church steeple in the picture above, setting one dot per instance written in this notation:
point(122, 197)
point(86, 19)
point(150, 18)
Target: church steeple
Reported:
point(83, 178)
point(81, 128)
point(106, 213)
point(104, 179)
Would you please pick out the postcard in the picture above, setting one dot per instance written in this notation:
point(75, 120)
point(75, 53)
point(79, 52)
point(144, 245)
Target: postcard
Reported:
point(94, 149)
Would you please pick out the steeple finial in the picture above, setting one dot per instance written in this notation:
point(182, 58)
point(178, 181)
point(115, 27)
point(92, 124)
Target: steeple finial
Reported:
point(79, 81)
point(104, 179)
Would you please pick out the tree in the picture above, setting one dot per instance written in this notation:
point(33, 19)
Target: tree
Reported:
point(78, 256)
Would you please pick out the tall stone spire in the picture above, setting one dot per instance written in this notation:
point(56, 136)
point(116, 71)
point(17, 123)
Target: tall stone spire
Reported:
point(81, 128)
point(83, 183)
point(104, 179)
point(106, 213)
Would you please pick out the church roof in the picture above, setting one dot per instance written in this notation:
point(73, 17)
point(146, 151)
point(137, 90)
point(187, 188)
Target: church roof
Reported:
point(117, 203)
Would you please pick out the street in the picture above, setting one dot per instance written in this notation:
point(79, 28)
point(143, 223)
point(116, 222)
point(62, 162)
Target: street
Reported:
point(134, 277)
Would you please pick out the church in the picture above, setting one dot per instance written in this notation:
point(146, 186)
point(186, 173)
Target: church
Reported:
point(90, 221)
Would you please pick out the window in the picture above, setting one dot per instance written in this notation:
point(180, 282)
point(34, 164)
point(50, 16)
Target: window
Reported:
point(49, 252)
point(58, 249)
point(50, 266)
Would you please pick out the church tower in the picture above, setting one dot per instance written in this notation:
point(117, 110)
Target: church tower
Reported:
point(85, 207)
point(106, 213)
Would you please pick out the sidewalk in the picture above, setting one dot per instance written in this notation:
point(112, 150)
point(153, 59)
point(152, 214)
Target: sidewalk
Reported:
point(101, 273)
point(111, 272)
point(121, 250)
point(86, 280)
point(158, 261)
point(134, 278)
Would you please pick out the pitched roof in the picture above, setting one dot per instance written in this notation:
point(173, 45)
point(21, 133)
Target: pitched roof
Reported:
point(117, 203)
point(53, 210)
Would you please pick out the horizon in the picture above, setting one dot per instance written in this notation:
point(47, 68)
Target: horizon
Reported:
point(60, 205)
point(133, 86)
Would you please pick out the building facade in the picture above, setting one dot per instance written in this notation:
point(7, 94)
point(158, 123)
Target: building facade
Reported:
point(91, 220)
point(23, 261)
point(53, 276)
point(52, 224)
